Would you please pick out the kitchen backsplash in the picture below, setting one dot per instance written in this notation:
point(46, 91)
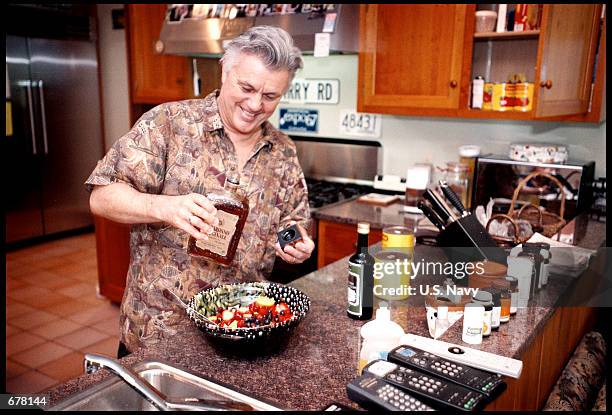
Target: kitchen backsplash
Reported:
point(409, 140)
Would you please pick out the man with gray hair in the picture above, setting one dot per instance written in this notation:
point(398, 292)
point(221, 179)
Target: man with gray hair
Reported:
point(154, 178)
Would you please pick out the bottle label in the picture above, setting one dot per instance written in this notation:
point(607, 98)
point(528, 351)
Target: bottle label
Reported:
point(219, 240)
point(486, 326)
point(355, 280)
point(495, 316)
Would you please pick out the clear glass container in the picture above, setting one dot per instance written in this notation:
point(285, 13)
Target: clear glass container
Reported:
point(456, 175)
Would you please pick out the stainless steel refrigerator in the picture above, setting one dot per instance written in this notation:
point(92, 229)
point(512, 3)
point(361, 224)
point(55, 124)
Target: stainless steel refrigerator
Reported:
point(57, 134)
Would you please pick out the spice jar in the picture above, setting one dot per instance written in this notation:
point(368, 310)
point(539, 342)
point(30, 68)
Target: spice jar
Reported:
point(473, 315)
point(486, 324)
point(505, 299)
point(496, 312)
point(485, 298)
point(456, 175)
point(514, 294)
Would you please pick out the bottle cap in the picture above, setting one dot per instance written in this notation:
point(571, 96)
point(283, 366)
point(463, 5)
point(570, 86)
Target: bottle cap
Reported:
point(482, 296)
point(469, 151)
point(382, 328)
point(363, 227)
point(496, 294)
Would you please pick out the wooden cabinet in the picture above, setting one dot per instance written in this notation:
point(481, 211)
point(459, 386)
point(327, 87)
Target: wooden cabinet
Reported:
point(569, 34)
point(544, 359)
point(421, 59)
point(113, 251)
point(411, 56)
point(337, 240)
point(154, 78)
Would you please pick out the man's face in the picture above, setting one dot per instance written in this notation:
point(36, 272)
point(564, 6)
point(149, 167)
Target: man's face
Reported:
point(250, 93)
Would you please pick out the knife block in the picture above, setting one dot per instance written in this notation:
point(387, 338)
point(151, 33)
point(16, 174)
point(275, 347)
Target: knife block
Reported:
point(466, 240)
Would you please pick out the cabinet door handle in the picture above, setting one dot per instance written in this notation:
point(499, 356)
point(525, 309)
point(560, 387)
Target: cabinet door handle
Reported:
point(547, 84)
point(453, 84)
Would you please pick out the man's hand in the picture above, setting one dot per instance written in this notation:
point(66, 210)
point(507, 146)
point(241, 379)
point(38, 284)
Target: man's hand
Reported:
point(298, 252)
point(193, 213)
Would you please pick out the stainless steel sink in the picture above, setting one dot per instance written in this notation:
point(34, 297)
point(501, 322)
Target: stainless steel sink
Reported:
point(115, 394)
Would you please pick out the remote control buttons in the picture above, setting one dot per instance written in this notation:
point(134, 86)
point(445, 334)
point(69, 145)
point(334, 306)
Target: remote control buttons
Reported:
point(456, 350)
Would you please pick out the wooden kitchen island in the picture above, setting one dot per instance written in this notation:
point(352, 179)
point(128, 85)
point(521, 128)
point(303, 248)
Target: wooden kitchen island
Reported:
point(322, 355)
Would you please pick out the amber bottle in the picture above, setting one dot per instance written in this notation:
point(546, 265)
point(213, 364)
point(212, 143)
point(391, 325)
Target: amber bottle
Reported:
point(232, 211)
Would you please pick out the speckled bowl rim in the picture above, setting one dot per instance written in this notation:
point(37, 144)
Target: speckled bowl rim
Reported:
point(252, 333)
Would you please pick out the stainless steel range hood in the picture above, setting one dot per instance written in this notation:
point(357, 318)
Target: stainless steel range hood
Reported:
point(206, 37)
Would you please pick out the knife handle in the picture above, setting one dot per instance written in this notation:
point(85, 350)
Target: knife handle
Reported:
point(452, 198)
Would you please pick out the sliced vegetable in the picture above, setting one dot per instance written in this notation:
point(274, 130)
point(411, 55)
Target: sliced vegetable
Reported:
point(262, 311)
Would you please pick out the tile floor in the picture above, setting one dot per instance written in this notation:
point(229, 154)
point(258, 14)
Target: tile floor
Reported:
point(54, 314)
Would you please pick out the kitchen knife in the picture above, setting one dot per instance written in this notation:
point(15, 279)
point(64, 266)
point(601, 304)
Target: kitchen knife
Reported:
point(453, 198)
point(431, 215)
point(436, 204)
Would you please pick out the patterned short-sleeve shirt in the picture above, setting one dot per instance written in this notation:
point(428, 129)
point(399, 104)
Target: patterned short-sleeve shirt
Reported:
point(179, 148)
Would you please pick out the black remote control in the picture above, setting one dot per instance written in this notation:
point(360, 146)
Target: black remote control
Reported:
point(435, 391)
point(487, 383)
point(371, 392)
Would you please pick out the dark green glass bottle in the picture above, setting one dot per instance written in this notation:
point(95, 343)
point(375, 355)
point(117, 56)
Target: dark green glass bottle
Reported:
point(361, 277)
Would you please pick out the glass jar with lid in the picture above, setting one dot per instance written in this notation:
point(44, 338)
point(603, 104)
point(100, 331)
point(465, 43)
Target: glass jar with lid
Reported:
point(456, 175)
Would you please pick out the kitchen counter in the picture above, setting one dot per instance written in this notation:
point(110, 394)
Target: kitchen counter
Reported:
point(322, 355)
point(352, 211)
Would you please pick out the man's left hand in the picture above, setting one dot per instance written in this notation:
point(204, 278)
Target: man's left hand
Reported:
point(298, 252)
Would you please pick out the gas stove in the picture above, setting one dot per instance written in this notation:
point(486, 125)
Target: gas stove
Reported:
point(322, 192)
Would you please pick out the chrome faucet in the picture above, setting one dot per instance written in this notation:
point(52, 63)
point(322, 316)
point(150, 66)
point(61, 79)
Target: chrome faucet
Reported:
point(93, 362)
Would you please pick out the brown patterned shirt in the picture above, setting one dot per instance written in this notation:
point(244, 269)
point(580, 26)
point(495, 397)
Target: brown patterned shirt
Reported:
point(175, 149)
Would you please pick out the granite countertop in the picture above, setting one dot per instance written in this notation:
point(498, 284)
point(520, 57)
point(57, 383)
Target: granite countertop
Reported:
point(321, 356)
point(351, 211)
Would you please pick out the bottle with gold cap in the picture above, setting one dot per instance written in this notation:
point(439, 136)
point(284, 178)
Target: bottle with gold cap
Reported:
point(361, 277)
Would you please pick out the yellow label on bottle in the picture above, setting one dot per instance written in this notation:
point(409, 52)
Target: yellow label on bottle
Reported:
point(397, 241)
point(487, 98)
point(219, 240)
point(9, 119)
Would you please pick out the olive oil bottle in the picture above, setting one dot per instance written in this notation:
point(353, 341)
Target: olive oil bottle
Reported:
point(361, 277)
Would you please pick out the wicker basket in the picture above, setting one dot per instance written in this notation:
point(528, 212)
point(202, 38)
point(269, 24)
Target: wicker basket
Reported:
point(544, 222)
point(505, 241)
